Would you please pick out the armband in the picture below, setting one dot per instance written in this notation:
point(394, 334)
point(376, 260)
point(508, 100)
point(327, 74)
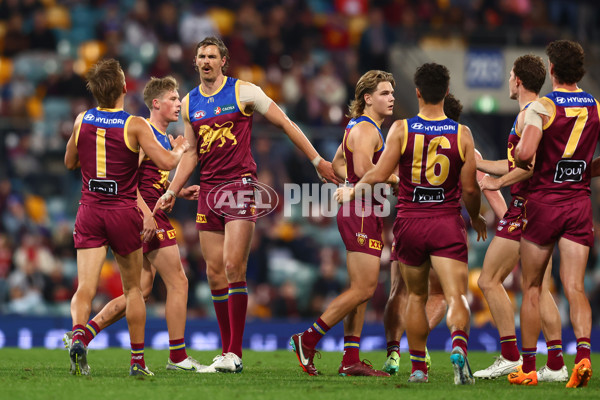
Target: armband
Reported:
point(533, 115)
point(250, 93)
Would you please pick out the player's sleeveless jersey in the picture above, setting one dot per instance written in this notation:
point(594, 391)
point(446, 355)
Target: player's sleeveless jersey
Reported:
point(519, 188)
point(152, 181)
point(430, 167)
point(569, 138)
point(108, 162)
point(222, 130)
point(350, 174)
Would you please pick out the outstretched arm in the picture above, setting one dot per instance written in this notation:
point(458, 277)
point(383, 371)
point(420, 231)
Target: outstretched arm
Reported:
point(252, 97)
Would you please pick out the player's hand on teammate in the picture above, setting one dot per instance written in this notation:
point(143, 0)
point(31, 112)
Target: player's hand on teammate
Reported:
point(149, 228)
point(326, 173)
point(344, 194)
point(480, 227)
point(489, 183)
point(190, 192)
point(165, 202)
point(179, 141)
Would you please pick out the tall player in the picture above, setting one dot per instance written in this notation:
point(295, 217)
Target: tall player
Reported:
point(360, 224)
point(436, 159)
point(218, 122)
point(526, 79)
point(161, 252)
point(561, 133)
point(105, 143)
point(394, 318)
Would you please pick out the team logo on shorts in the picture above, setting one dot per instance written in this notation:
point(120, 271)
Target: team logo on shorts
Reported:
point(375, 244)
point(361, 238)
point(171, 234)
point(201, 218)
point(160, 236)
point(199, 114)
point(502, 222)
point(513, 226)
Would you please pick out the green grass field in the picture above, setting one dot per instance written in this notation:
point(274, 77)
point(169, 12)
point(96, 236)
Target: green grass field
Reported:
point(44, 374)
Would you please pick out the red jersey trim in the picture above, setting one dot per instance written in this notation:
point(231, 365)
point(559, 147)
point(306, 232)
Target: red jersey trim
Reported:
point(237, 98)
point(215, 93)
point(126, 136)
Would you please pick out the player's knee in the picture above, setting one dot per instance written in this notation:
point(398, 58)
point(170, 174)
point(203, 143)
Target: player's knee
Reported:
point(484, 283)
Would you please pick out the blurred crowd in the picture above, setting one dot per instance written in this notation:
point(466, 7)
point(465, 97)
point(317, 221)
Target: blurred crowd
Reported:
point(306, 55)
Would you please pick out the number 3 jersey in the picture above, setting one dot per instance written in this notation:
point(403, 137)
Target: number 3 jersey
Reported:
point(108, 162)
point(563, 159)
point(430, 166)
point(152, 181)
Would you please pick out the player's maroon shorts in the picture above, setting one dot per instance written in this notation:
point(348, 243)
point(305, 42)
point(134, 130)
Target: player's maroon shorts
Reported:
point(511, 224)
point(220, 204)
point(165, 233)
point(544, 223)
point(418, 238)
point(360, 231)
point(119, 228)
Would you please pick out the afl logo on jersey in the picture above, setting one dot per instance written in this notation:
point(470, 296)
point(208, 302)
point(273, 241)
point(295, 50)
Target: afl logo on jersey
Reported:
point(560, 100)
point(417, 125)
point(217, 110)
point(199, 114)
point(89, 117)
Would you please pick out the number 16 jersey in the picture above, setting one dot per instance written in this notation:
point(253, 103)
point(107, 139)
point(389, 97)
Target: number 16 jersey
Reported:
point(430, 166)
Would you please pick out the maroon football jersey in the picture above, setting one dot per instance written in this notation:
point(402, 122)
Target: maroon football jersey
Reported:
point(430, 167)
point(223, 134)
point(518, 188)
point(108, 163)
point(569, 139)
point(351, 176)
point(152, 181)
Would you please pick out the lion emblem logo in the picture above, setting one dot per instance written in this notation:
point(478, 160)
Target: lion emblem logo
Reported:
point(210, 136)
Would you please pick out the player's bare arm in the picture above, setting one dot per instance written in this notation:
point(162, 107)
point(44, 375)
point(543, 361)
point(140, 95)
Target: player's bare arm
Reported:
point(536, 116)
point(494, 197)
point(185, 168)
point(71, 153)
point(338, 163)
point(363, 139)
point(253, 98)
point(384, 168)
point(471, 194)
point(141, 133)
point(596, 167)
point(492, 167)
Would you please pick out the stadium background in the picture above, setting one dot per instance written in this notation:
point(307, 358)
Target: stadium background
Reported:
point(306, 55)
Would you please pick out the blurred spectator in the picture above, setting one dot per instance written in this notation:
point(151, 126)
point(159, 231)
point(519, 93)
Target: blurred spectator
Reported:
point(375, 42)
point(41, 37)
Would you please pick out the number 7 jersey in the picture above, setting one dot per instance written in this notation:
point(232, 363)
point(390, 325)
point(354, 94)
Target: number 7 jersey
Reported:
point(430, 166)
point(565, 152)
